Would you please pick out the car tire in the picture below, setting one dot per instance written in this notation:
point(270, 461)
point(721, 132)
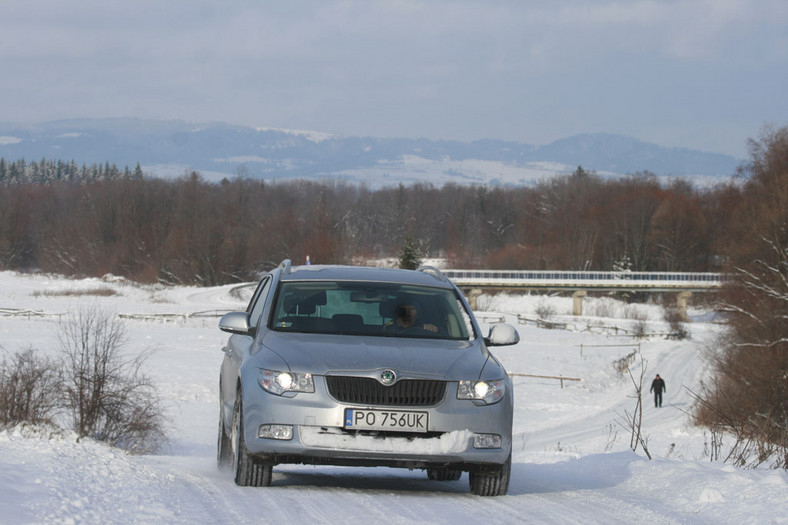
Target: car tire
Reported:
point(224, 447)
point(248, 472)
point(443, 474)
point(491, 483)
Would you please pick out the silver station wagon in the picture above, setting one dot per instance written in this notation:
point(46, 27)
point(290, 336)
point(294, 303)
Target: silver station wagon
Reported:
point(344, 365)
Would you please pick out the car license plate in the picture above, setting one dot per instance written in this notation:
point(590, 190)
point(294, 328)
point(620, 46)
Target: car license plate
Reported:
point(393, 420)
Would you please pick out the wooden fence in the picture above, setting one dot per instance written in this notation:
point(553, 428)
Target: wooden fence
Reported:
point(560, 378)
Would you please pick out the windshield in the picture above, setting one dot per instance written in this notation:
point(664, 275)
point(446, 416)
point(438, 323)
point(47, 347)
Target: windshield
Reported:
point(364, 308)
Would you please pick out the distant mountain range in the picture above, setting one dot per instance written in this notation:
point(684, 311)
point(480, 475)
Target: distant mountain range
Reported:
point(217, 150)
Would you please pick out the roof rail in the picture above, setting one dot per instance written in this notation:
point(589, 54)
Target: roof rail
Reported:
point(285, 266)
point(434, 271)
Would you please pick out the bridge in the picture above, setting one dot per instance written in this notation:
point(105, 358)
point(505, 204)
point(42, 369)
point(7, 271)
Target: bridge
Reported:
point(473, 282)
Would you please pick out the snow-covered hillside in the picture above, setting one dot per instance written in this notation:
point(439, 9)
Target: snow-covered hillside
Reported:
point(172, 148)
point(571, 459)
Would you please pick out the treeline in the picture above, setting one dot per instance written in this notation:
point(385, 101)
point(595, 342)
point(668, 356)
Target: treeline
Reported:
point(192, 231)
point(49, 172)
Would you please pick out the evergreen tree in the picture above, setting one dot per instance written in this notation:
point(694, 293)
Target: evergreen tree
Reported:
point(409, 258)
point(623, 264)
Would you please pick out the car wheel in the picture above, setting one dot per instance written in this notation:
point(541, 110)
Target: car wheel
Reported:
point(248, 472)
point(491, 483)
point(224, 448)
point(443, 474)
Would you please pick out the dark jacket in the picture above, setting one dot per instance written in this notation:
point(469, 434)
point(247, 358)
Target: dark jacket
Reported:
point(658, 386)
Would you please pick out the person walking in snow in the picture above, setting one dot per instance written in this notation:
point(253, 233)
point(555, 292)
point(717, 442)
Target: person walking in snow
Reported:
point(658, 386)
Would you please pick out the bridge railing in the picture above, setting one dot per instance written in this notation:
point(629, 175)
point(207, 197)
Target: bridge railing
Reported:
point(706, 279)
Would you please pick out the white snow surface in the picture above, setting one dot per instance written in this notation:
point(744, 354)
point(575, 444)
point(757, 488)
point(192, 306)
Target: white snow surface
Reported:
point(572, 461)
point(313, 136)
point(5, 140)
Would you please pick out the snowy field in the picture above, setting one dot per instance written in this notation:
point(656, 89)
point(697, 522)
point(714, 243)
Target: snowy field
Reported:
point(572, 461)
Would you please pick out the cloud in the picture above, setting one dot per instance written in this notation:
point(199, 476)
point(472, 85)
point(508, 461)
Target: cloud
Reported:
point(460, 69)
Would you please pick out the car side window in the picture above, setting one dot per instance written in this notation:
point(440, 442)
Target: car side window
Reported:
point(258, 301)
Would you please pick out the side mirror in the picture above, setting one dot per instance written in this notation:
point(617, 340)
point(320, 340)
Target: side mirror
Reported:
point(502, 335)
point(235, 323)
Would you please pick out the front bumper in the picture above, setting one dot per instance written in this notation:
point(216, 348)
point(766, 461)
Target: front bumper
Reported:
point(318, 436)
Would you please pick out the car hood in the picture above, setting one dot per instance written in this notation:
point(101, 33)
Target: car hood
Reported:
point(321, 354)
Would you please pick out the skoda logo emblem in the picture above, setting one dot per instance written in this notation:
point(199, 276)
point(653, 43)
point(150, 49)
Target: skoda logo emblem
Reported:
point(387, 377)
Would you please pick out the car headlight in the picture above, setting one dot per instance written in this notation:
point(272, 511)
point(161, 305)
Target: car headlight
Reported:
point(488, 392)
point(279, 383)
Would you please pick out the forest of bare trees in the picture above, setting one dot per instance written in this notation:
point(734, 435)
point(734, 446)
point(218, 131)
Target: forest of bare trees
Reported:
point(192, 231)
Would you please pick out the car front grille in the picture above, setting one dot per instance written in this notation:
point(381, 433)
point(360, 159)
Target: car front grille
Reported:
point(366, 391)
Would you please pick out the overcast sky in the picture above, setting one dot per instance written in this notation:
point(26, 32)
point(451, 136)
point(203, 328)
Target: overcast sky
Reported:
point(701, 74)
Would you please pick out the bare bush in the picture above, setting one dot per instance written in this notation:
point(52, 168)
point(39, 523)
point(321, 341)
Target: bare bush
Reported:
point(677, 328)
point(544, 310)
point(640, 326)
point(634, 311)
point(602, 307)
point(640, 329)
point(634, 421)
point(109, 397)
point(746, 399)
point(612, 437)
point(29, 389)
point(713, 443)
point(757, 438)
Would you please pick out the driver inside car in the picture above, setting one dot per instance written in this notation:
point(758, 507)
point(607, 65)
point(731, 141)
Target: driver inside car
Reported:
point(407, 317)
